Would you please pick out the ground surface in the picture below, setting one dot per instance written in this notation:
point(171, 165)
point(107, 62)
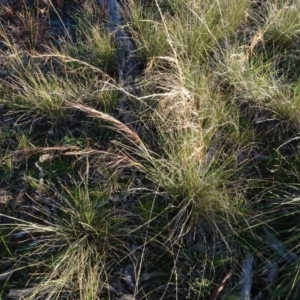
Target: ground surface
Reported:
point(149, 149)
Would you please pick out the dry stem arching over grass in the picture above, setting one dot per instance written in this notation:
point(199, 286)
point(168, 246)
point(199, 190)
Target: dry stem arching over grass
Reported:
point(149, 149)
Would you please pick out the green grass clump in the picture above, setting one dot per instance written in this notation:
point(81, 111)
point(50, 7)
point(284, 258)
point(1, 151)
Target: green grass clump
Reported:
point(72, 246)
point(282, 24)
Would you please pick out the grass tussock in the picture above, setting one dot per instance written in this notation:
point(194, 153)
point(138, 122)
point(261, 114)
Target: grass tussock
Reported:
point(196, 196)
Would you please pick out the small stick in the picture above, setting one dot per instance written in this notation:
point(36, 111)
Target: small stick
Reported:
point(221, 285)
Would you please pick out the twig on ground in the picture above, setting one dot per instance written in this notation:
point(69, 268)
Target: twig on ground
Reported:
point(221, 285)
point(247, 277)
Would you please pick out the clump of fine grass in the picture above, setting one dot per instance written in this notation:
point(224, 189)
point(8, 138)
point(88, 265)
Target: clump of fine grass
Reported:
point(40, 84)
point(258, 80)
point(31, 91)
point(73, 246)
point(194, 29)
point(282, 23)
point(93, 45)
point(190, 29)
point(145, 22)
